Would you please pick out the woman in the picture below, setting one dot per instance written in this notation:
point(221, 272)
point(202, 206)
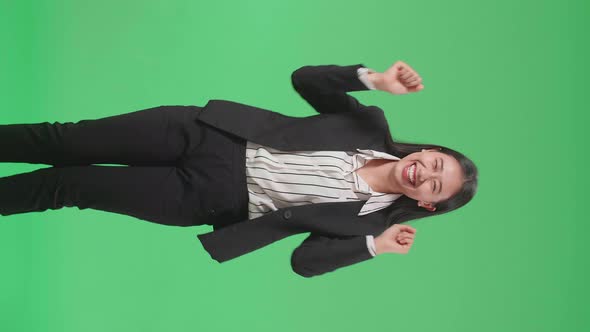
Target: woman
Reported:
point(256, 175)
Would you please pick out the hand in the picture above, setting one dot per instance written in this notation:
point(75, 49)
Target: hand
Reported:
point(399, 79)
point(395, 239)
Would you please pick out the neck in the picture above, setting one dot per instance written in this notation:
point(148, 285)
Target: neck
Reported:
point(380, 174)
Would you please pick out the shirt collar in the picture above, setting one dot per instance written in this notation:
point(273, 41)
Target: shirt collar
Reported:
point(378, 154)
point(378, 200)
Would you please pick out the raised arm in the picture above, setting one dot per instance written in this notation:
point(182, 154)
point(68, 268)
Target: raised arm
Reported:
point(324, 87)
point(319, 254)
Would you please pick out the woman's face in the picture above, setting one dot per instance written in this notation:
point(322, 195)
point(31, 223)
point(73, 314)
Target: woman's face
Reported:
point(437, 176)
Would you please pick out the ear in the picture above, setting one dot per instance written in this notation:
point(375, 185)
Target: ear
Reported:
point(428, 206)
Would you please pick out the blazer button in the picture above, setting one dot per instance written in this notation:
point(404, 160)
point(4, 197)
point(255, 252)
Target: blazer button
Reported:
point(287, 214)
point(212, 211)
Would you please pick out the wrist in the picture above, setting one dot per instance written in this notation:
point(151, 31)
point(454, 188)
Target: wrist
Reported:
point(375, 78)
point(378, 245)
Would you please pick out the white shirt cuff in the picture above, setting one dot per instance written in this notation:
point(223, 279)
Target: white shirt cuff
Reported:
point(371, 245)
point(362, 75)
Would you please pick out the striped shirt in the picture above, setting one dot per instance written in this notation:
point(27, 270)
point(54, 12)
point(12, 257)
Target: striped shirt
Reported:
point(278, 179)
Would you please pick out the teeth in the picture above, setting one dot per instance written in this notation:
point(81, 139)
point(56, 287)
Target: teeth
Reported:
point(411, 173)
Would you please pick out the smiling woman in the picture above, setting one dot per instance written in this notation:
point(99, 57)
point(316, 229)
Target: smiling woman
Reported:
point(436, 178)
point(421, 176)
point(255, 175)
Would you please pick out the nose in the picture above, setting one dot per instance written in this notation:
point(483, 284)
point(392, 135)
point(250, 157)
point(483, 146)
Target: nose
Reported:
point(426, 173)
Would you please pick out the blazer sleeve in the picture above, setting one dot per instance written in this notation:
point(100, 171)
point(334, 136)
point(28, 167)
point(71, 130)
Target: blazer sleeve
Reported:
point(324, 87)
point(319, 254)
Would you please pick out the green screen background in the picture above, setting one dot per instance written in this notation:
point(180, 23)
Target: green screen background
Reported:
point(504, 83)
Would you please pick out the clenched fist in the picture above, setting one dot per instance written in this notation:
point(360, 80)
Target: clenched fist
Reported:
point(398, 79)
point(396, 239)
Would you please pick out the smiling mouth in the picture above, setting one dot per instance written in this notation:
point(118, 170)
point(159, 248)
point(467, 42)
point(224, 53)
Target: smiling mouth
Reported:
point(410, 174)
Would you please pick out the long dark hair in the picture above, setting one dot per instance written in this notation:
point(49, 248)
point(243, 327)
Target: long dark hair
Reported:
point(405, 208)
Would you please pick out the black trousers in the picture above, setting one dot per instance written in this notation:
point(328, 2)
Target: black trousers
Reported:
point(175, 169)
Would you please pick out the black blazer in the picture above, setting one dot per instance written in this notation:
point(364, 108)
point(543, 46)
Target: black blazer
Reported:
point(337, 234)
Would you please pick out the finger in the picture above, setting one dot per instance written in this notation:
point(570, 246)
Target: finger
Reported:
point(411, 84)
point(405, 234)
point(412, 81)
point(396, 232)
point(402, 63)
point(407, 242)
point(407, 228)
point(408, 236)
point(407, 67)
point(416, 88)
point(406, 75)
point(393, 230)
